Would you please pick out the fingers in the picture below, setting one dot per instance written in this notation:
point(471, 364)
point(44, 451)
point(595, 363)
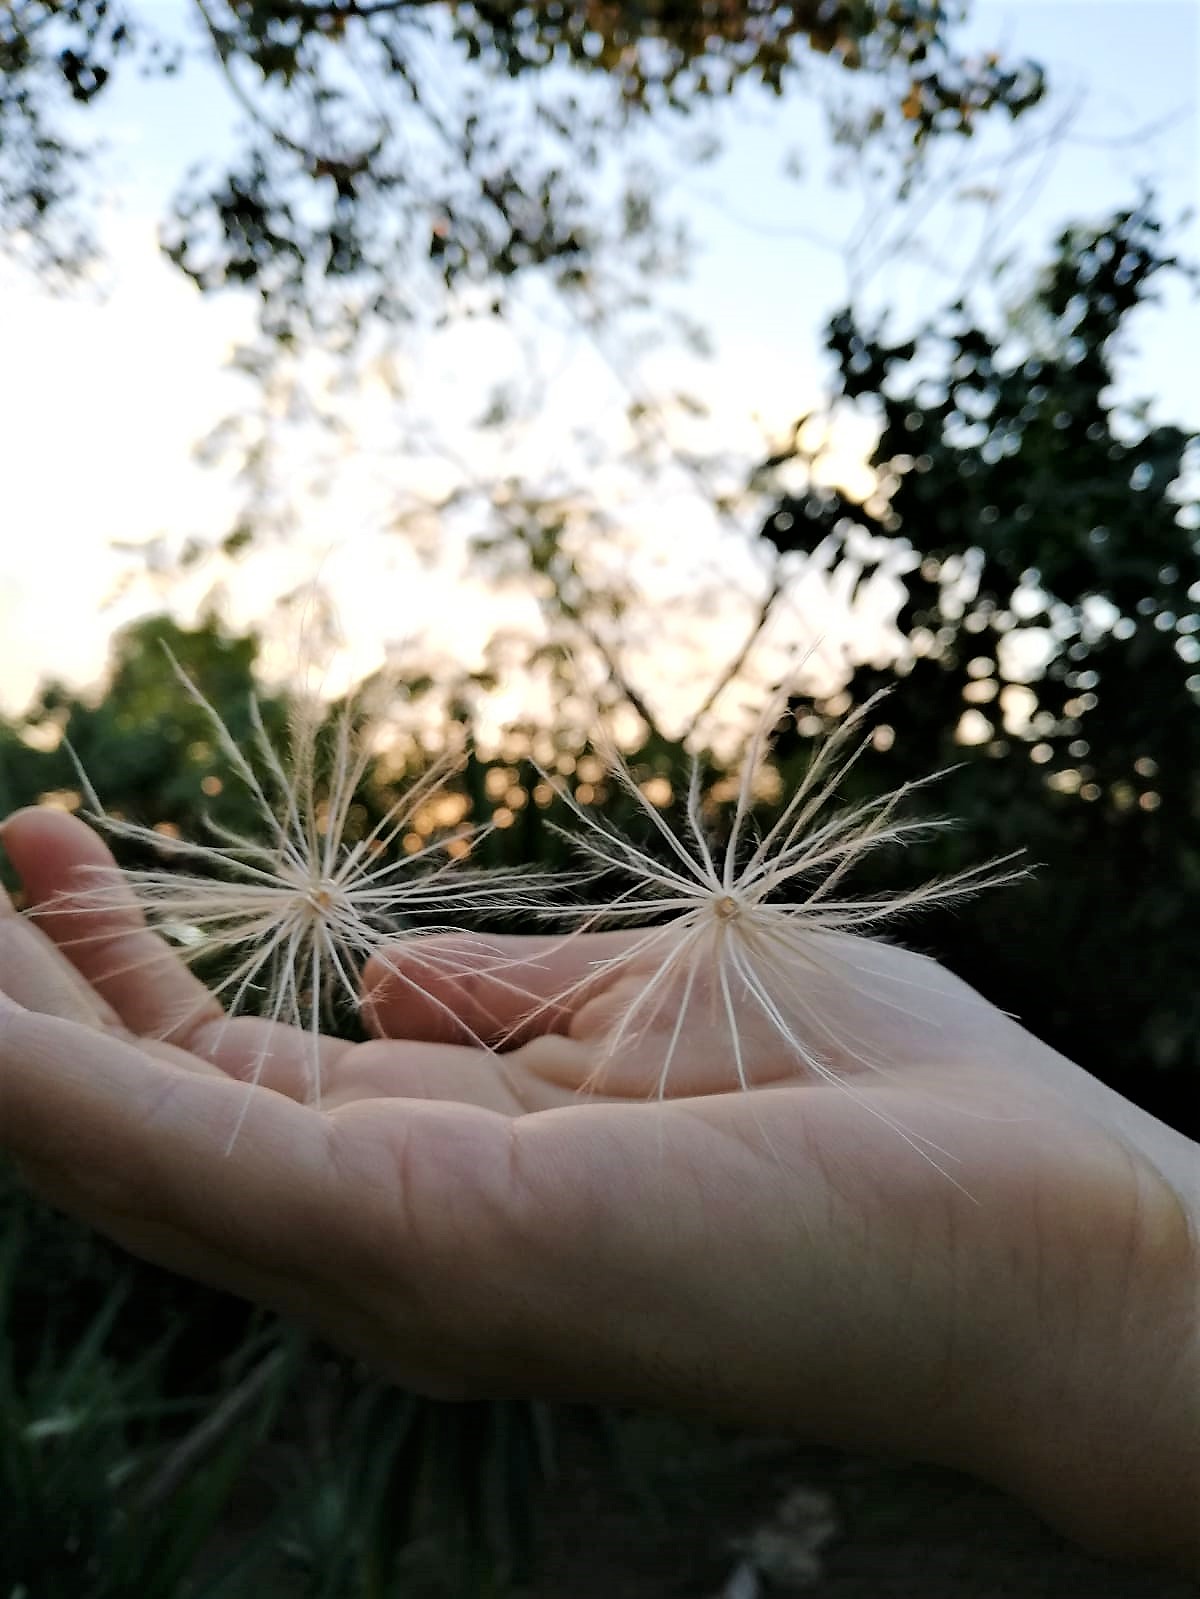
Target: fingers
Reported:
point(138, 1138)
point(37, 976)
point(501, 989)
point(132, 969)
point(151, 1240)
point(629, 1252)
point(384, 1228)
point(156, 996)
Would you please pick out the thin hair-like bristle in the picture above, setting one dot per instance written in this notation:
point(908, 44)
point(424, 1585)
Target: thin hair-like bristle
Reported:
point(294, 915)
point(757, 926)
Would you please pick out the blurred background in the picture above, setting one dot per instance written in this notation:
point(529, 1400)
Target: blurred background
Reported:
point(568, 361)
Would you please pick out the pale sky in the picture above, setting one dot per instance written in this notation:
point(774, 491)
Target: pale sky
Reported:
point(103, 395)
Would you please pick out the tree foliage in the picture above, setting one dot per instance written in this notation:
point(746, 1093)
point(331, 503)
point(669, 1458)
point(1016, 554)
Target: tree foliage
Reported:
point(1053, 626)
point(379, 134)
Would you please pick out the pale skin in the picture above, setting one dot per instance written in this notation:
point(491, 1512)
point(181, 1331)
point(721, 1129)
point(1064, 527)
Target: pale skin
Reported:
point(472, 1224)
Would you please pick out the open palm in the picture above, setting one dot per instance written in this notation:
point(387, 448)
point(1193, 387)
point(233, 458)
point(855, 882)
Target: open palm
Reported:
point(976, 1254)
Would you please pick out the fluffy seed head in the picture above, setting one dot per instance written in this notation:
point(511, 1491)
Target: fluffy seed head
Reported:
point(293, 913)
point(725, 949)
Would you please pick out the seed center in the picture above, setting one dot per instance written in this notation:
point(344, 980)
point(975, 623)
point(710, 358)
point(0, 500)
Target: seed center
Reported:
point(321, 898)
point(726, 908)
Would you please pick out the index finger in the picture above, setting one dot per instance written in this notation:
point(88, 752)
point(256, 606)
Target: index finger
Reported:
point(136, 972)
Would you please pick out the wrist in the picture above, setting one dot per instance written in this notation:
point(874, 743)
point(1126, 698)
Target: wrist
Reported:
point(1096, 1421)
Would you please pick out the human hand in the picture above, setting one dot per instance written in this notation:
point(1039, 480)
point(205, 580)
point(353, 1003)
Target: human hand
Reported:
point(471, 1224)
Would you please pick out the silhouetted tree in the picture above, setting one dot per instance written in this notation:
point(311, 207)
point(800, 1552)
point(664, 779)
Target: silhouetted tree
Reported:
point(1053, 625)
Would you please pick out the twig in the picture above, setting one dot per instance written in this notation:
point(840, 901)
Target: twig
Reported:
point(207, 1434)
point(734, 666)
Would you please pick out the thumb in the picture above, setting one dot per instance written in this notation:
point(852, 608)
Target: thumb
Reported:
point(490, 990)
